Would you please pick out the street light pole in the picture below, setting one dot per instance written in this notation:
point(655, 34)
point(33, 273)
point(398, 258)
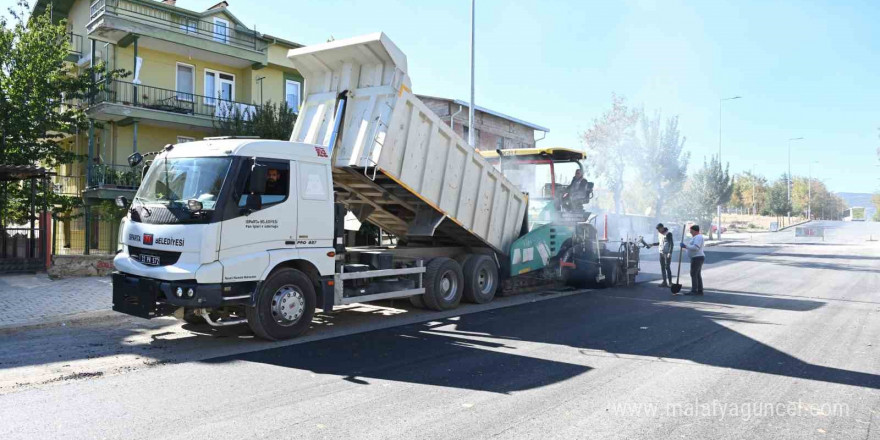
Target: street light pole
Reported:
point(788, 186)
point(720, 119)
point(810, 194)
point(471, 112)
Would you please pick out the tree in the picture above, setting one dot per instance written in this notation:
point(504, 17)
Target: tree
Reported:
point(269, 121)
point(749, 192)
point(709, 187)
point(777, 201)
point(660, 159)
point(609, 145)
point(37, 92)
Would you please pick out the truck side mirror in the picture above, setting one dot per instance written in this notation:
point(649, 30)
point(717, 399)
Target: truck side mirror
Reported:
point(135, 159)
point(257, 182)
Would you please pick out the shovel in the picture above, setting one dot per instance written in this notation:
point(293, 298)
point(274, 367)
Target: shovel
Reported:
point(677, 286)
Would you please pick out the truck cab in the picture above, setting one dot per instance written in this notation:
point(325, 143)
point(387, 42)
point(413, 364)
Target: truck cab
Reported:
point(214, 218)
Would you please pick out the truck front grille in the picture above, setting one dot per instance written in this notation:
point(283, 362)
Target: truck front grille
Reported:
point(153, 257)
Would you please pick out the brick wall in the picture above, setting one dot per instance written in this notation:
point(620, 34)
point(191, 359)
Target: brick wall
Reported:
point(490, 128)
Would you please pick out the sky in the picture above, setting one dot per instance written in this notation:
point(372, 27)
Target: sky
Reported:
point(803, 68)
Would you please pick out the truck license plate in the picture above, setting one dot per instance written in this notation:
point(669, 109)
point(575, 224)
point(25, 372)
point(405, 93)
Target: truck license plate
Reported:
point(151, 260)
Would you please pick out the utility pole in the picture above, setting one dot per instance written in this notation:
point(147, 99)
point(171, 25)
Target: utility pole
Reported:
point(471, 134)
point(720, 119)
point(788, 186)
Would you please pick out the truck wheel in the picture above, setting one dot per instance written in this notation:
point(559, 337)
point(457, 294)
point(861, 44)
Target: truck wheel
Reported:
point(285, 306)
point(480, 279)
point(444, 284)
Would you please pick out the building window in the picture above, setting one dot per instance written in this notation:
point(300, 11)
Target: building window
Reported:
point(499, 143)
point(219, 85)
point(185, 82)
point(221, 30)
point(292, 95)
point(185, 139)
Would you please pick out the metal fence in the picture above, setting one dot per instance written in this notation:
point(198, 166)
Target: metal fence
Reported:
point(156, 98)
point(70, 234)
point(21, 243)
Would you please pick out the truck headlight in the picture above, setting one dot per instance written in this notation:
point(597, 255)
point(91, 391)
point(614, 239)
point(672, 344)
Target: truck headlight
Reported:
point(179, 292)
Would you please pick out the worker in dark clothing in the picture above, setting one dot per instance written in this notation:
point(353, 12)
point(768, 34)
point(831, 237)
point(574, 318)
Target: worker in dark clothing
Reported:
point(577, 192)
point(665, 241)
point(274, 185)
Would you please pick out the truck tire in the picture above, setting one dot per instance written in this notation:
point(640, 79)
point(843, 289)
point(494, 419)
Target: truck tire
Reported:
point(284, 307)
point(444, 284)
point(480, 279)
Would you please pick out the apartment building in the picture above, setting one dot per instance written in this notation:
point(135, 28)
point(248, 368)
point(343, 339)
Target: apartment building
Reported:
point(188, 69)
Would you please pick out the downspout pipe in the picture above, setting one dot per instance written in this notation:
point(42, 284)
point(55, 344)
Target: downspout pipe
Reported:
point(452, 118)
point(541, 138)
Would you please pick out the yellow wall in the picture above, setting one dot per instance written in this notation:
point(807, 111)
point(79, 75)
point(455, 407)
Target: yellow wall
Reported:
point(278, 56)
point(150, 138)
point(159, 69)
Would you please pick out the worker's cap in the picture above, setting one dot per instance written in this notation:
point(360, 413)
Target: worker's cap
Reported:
point(695, 227)
point(660, 225)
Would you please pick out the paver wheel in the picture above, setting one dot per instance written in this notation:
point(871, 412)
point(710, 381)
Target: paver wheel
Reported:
point(444, 284)
point(480, 279)
point(284, 307)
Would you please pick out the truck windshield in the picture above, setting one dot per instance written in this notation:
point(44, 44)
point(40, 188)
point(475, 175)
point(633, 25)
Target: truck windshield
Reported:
point(174, 181)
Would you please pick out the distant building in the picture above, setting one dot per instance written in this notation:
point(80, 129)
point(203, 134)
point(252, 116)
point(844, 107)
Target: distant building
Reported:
point(494, 130)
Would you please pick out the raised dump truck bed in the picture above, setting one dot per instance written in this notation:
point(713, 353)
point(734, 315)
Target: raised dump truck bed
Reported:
point(396, 163)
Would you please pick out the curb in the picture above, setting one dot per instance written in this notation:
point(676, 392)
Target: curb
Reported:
point(106, 315)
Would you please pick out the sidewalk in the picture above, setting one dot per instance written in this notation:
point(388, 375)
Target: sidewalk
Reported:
point(36, 299)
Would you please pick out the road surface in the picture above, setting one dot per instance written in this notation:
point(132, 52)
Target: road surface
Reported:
point(785, 344)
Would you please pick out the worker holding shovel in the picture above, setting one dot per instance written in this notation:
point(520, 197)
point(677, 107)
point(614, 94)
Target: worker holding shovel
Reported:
point(697, 256)
point(666, 241)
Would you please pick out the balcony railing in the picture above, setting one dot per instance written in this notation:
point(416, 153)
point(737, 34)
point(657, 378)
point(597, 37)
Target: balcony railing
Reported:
point(155, 98)
point(179, 23)
point(68, 185)
point(115, 176)
point(76, 42)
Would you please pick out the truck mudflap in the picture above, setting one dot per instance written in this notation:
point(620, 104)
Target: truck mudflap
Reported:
point(150, 298)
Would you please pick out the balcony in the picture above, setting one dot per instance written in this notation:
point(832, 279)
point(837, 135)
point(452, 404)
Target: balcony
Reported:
point(128, 101)
point(156, 25)
point(68, 185)
point(76, 47)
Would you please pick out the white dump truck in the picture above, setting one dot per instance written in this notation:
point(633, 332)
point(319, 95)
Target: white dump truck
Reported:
point(242, 230)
